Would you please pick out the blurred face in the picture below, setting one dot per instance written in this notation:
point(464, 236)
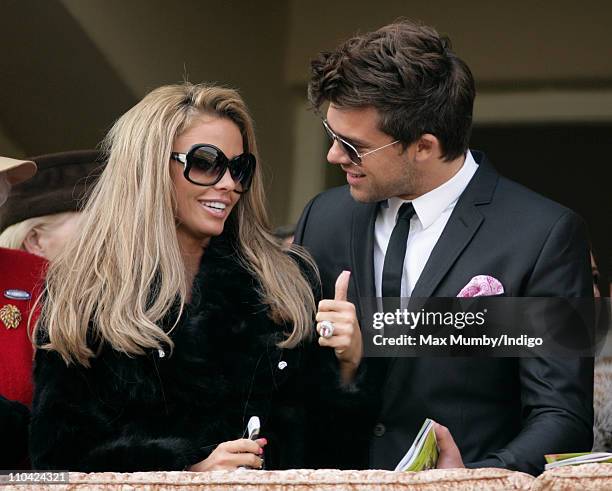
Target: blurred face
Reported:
point(383, 174)
point(202, 210)
point(5, 188)
point(49, 240)
point(595, 274)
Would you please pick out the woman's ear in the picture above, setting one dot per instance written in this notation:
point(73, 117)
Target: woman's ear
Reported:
point(32, 243)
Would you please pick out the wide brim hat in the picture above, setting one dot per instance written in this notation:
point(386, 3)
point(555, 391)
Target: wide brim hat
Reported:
point(61, 184)
point(17, 170)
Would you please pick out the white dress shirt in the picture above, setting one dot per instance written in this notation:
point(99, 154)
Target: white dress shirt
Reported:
point(433, 210)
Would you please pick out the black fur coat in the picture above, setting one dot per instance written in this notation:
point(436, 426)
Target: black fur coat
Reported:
point(165, 411)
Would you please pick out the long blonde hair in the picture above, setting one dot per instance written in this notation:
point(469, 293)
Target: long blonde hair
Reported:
point(101, 288)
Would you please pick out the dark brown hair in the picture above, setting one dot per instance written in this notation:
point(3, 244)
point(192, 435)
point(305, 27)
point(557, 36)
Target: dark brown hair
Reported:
point(408, 72)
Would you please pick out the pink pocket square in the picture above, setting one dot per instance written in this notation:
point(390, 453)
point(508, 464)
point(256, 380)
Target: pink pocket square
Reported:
point(481, 286)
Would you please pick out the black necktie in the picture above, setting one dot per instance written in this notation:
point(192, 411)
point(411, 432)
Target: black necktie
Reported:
point(396, 252)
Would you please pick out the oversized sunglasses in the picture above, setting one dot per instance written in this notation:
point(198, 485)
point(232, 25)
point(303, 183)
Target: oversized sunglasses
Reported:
point(205, 165)
point(348, 148)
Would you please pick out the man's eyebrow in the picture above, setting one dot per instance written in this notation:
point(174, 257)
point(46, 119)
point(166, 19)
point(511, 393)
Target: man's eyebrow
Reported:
point(357, 143)
point(353, 141)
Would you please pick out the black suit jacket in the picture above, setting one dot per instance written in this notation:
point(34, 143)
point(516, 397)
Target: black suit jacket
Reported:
point(502, 412)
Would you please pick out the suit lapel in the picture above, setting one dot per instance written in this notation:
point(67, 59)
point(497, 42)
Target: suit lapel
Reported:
point(362, 251)
point(457, 234)
point(459, 231)
point(461, 227)
point(362, 262)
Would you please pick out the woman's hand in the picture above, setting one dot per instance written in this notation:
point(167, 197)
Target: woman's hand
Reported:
point(233, 454)
point(346, 337)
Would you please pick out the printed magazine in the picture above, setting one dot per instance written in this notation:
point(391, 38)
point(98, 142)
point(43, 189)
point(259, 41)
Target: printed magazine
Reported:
point(562, 459)
point(423, 454)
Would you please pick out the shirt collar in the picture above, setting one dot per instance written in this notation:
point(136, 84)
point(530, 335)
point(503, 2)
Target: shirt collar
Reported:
point(431, 205)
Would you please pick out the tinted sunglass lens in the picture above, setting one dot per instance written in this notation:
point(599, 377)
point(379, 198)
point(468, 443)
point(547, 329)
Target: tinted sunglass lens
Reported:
point(351, 152)
point(329, 132)
point(242, 169)
point(205, 164)
point(348, 149)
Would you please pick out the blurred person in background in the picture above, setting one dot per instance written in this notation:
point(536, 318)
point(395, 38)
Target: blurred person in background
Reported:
point(602, 393)
point(596, 276)
point(20, 283)
point(284, 234)
point(42, 214)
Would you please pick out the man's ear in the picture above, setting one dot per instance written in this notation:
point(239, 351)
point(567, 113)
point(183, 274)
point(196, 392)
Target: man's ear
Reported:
point(427, 147)
point(32, 243)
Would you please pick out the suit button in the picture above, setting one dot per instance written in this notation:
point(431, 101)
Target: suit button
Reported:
point(379, 429)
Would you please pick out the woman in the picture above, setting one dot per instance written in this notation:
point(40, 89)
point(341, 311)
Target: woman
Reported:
point(41, 215)
point(21, 278)
point(174, 315)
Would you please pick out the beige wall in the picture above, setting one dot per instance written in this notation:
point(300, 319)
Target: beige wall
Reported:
point(240, 44)
point(505, 43)
point(83, 62)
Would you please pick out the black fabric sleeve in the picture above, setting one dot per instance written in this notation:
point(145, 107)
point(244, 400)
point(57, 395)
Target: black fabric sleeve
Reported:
point(14, 419)
point(556, 394)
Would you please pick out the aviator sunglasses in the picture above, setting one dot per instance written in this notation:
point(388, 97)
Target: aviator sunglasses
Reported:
point(205, 165)
point(348, 148)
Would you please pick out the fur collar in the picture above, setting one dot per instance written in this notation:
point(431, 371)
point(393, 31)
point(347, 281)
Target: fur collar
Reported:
point(166, 409)
point(226, 329)
point(223, 280)
point(224, 342)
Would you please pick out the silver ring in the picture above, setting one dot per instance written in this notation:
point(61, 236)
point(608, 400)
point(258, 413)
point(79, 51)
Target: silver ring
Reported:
point(326, 329)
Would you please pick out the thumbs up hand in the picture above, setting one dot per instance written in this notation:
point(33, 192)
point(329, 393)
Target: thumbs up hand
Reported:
point(345, 337)
point(450, 455)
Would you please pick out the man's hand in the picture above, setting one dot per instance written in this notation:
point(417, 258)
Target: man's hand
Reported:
point(450, 456)
point(346, 338)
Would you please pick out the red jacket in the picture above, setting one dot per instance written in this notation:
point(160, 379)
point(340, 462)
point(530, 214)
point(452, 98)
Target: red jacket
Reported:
point(21, 281)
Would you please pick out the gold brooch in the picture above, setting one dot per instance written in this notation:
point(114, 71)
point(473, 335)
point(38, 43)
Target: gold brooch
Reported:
point(10, 316)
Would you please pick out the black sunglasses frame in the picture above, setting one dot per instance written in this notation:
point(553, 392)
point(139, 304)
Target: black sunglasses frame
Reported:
point(237, 166)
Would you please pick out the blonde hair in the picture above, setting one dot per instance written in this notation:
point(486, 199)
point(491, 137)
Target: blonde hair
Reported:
point(14, 236)
point(125, 270)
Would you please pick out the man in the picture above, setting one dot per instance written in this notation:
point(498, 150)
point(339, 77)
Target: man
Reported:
point(399, 116)
point(21, 278)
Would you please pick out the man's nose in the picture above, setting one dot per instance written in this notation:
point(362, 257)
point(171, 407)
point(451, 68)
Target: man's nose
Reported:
point(337, 155)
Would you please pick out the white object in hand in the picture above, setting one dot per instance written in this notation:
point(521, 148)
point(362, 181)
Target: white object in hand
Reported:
point(253, 427)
